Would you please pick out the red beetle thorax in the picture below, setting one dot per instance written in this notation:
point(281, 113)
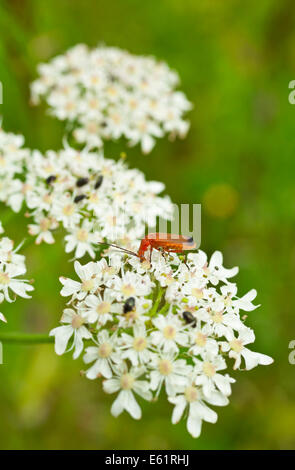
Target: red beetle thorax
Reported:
point(143, 247)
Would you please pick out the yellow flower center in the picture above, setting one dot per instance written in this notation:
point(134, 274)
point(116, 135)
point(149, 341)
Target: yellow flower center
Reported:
point(128, 290)
point(133, 104)
point(94, 104)
point(133, 315)
point(169, 332)
point(70, 106)
point(169, 279)
point(127, 381)
point(236, 345)
point(77, 321)
point(208, 369)
point(103, 308)
point(217, 317)
point(200, 339)
point(165, 367)
point(82, 235)
point(47, 198)
point(49, 169)
point(142, 126)
point(26, 188)
point(45, 224)
point(228, 301)
point(93, 198)
point(69, 210)
point(197, 293)
point(4, 279)
point(139, 344)
point(112, 91)
point(191, 394)
point(92, 127)
point(105, 350)
point(116, 118)
point(87, 285)
point(95, 79)
point(109, 270)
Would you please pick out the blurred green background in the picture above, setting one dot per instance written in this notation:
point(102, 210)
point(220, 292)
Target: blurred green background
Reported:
point(235, 60)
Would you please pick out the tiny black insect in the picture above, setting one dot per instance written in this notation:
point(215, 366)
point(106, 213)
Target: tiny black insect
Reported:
point(112, 77)
point(79, 198)
point(81, 182)
point(189, 318)
point(50, 179)
point(129, 305)
point(98, 182)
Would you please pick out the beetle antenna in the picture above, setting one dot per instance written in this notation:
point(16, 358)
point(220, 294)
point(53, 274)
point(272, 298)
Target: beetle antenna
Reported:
point(119, 248)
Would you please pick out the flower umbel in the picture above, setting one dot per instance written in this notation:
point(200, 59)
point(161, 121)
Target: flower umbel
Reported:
point(144, 335)
point(107, 93)
point(12, 265)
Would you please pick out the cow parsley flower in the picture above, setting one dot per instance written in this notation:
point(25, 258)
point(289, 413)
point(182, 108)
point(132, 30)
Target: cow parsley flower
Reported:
point(192, 398)
point(166, 325)
point(127, 382)
point(107, 93)
point(12, 265)
point(92, 198)
point(13, 157)
point(74, 327)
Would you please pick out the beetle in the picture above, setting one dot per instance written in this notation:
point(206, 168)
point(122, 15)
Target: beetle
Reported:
point(129, 305)
point(98, 182)
point(189, 319)
point(81, 182)
point(80, 198)
point(50, 179)
point(166, 242)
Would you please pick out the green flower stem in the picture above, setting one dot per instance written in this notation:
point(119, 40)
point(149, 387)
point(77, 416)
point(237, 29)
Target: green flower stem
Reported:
point(24, 338)
point(164, 309)
point(158, 299)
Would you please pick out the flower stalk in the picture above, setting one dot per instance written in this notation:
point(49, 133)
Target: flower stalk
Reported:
point(25, 338)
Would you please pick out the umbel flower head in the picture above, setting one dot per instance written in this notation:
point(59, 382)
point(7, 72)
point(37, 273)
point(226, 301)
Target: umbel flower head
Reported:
point(91, 197)
point(12, 265)
point(13, 157)
point(107, 93)
point(166, 325)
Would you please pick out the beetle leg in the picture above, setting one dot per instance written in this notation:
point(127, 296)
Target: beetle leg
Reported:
point(185, 260)
point(151, 254)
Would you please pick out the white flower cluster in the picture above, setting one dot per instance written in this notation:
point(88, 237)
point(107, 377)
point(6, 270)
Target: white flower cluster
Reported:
point(169, 325)
point(12, 163)
point(92, 197)
point(107, 93)
point(12, 265)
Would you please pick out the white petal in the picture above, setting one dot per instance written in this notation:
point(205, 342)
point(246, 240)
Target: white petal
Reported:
point(132, 406)
point(252, 359)
point(111, 385)
point(117, 406)
point(178, 409)
point(62, 335)
point(194, 425)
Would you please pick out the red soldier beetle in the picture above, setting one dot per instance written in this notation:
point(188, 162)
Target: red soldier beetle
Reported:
point(166, 242)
